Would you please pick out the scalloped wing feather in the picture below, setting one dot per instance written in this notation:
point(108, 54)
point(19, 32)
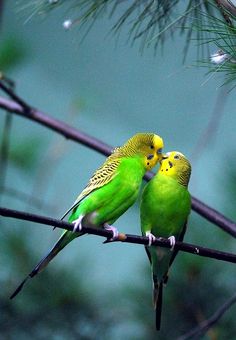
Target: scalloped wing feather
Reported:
point(101, 177)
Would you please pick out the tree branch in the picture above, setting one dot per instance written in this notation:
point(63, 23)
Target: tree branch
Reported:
point(56, 125)
point(222, 4)
point(189, 248)
point(71, 133)
point(205, 325)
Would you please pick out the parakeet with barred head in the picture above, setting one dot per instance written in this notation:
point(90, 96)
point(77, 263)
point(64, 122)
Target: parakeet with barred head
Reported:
point(165, 207)
point(109, 193)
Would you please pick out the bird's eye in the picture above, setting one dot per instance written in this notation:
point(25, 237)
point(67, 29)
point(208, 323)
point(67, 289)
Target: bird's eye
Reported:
point(176, 157)
point(151, 147)
point(150, 156)
point(159, 151)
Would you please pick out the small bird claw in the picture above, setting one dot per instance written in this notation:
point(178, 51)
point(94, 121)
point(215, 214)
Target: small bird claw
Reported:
point(114, 230)
point(151, 238)
point(78, 224)
point(172, 242)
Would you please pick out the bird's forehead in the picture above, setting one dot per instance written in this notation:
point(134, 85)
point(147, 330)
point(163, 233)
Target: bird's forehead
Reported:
point(179, 153)
point(174, 153)
point(158, 142)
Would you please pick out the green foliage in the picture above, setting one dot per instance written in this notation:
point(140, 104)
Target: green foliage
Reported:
point(222, 36)
point(24, 154)
point(12, 52)
point(149, 20)
point(152, 22)
point(55, 305)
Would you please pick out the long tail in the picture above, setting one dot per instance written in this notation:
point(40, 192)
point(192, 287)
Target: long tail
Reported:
point(157, 301)
point(65, 238)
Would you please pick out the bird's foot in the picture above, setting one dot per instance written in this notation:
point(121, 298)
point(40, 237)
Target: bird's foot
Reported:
point(114, 230)
point(78, 224)
point(172, 242)
point(151, 238)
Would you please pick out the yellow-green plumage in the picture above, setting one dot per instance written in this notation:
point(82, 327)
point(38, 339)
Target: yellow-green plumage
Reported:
point(165, 206)
point(111, 190)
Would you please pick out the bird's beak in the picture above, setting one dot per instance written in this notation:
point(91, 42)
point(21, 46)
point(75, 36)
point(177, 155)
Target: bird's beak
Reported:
point(163, 156)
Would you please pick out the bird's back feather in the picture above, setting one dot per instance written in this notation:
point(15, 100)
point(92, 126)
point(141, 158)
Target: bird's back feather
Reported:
point(102, 176)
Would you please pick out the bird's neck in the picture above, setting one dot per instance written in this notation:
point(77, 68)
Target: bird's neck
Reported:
point(180, 178)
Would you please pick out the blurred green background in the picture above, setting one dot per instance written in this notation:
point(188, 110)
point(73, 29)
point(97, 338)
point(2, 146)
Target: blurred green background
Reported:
point(107, 88)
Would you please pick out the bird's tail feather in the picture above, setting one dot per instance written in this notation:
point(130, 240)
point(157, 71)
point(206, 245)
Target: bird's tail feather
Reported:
point(65, 238)
point(157, 301)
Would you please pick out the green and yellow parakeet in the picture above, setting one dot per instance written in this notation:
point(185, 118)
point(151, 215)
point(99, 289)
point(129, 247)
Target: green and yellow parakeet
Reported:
point(110, 191)
point(165, 207)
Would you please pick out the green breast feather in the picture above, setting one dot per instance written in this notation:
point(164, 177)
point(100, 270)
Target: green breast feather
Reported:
point(165, 207)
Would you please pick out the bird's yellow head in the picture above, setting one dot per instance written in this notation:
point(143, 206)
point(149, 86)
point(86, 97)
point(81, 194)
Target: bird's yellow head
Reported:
point(176, 165)
point(148, 145)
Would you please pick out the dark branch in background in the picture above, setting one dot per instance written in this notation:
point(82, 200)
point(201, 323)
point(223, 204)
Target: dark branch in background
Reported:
point(7, 87)
point(205, 325)
point(4, 149)
point(71, 133)
point(189, 248)
point(5, 142)
point(56, 125)
point(222, 4)
point(228, 5)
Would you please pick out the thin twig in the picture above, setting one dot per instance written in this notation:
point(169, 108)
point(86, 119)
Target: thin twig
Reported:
point(205, 325)
point(17, 99)
point(71, 133)
point(4, 149)
point(186, 247)
point(25, 197)
point(5, 145)
point(174, 22)
point(56, 125)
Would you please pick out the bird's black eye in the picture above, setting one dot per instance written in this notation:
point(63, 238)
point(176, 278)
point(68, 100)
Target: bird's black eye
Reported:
point(150, 156)
point(176, 157)
point(151, 147)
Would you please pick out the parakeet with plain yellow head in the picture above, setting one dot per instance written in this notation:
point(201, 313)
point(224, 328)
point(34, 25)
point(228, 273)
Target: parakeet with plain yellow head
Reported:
point(165, 207)
point(110, 192)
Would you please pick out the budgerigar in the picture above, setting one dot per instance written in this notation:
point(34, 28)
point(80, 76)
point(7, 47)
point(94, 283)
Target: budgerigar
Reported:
point(165, 207)
point(110, 192)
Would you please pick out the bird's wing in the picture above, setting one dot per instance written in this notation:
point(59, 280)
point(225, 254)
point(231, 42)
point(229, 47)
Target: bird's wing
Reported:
point(101, 177)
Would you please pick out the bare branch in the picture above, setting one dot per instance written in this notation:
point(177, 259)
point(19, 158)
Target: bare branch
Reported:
point(71, 133)
point(205, 325)
point(186, 247)
point(222, 4)
point(8, 90)
point(56, 125)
